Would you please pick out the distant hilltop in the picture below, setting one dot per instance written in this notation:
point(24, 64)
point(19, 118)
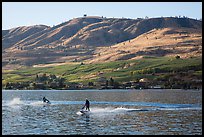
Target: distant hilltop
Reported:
point(95, 39)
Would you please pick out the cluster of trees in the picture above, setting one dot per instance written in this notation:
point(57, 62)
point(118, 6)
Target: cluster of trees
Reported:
point(179, 80)
point(43, 81)
point(168, 81)
point(51, 81)
point(16, 85)
point(108, 84)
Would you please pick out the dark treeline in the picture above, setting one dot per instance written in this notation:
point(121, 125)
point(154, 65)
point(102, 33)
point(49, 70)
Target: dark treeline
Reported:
point(48, 82)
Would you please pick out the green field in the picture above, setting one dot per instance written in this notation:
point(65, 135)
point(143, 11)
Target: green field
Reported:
point(120, 71)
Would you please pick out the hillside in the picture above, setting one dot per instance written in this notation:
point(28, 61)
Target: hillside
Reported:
point(95, 39)
point(156, 42)
point(168, 72)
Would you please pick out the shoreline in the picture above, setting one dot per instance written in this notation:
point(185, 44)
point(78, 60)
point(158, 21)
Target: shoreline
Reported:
point(96, 89)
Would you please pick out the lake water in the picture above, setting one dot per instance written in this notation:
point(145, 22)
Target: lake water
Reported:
point(113, 112)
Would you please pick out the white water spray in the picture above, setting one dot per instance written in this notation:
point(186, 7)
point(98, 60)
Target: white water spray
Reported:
point(15, 101)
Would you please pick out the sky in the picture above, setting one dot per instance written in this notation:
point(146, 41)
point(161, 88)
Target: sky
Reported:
point(15, 14)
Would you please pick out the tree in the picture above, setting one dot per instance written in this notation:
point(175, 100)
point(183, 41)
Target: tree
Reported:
point(111, 82)
point(44, 77)
point(8, 85)
point(37, 77)
point(106, 83)
point(52, 76)
point(131, 73)
point(82, 63)
point(90, 84)
point(177, 57)
point(116, 85)
point(34, 85)
point(61, 82)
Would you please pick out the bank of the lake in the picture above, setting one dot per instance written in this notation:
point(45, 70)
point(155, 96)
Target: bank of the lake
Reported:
point(148, 72)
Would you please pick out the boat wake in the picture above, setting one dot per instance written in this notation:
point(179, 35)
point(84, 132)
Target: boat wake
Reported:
point(143, 106)
point(17, 102)
point(109, 111)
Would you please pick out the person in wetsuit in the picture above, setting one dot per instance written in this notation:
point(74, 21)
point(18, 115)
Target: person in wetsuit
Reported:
point(87, 104)
point(45, 100)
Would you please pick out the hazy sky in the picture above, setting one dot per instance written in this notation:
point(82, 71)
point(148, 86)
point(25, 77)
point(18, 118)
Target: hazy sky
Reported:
point(16, 14)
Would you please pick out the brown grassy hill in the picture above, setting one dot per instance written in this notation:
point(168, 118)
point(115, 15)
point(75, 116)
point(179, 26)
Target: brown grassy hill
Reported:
point(13, 36)
point(112, 31)
point(95, 39)
point(90, 31)
point(157, 42)
point(53, 36)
